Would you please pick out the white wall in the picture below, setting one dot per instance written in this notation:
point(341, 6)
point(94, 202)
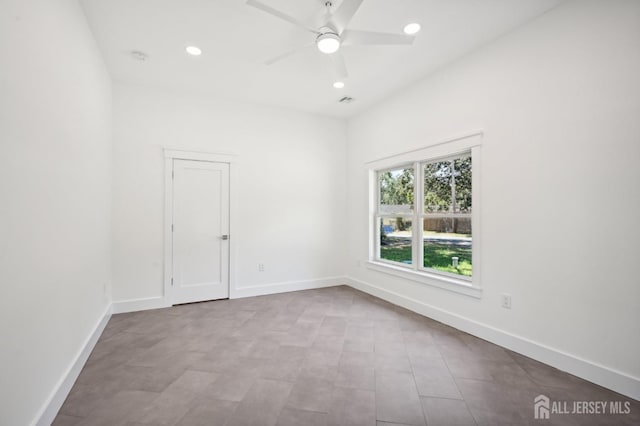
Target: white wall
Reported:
point(290, 189)
point(55, 174)
point(559, 101)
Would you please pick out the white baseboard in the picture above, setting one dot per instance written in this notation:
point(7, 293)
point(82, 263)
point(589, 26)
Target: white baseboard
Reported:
point(49, 411)
point(134, 305)
point(283, 287)
point(601, 375)
point(158, 302)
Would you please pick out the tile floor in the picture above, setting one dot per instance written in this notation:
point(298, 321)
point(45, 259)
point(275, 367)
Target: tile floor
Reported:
point(331, 356)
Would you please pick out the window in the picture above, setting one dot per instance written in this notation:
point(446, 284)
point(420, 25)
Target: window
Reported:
point(446, 216)
point(423, 220)
point(396, 211)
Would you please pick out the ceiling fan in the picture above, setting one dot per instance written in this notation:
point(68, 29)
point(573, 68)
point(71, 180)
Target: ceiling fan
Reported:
point(333, 33)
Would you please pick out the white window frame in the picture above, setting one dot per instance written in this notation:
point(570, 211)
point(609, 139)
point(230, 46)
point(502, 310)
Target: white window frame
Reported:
point(470, 286)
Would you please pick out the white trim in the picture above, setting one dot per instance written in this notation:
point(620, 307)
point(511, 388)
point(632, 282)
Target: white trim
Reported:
point(217, 157)
point(50, 409)
point(607, 377)
point(158, 302)
point(283, 287)
point(168, 234)
point(450, 283)
point(144, 304)
point(445, 148)
point(234, 208)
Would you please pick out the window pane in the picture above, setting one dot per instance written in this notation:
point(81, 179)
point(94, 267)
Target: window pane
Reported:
point(447, 186)
point(396, 191)
point(396, 235)
point(462, 178)
point(447, 245)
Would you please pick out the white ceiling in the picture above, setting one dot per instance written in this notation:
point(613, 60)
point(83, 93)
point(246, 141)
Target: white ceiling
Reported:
point(237, 39)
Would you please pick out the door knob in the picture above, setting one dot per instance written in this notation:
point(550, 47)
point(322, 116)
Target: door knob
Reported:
point(225, 237)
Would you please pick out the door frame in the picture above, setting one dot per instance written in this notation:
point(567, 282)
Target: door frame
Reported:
point(175, 154)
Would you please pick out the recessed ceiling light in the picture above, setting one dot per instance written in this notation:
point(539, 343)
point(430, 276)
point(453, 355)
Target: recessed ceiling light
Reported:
point(193, 50)
point(412, 28)
point(338, 84)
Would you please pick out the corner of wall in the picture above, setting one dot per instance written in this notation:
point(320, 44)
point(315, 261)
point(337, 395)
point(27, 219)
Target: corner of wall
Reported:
point(49, 410)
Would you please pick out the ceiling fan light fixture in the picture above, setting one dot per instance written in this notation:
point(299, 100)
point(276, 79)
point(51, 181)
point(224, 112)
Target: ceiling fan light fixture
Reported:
point(412, 28)
point(328, 43)
point(338, 84)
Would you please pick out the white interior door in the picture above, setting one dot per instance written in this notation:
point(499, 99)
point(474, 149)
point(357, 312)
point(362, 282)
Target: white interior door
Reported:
point(200, 231)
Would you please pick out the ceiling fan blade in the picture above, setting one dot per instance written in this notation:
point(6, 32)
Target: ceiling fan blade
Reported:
point(278, 14)
point(339, 66)
point(286, 54)
point(345, 12)
point(350, 37)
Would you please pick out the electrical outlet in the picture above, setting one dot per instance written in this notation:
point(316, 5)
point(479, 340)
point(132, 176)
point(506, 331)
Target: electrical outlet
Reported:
point(506, 300)
point(261, 267)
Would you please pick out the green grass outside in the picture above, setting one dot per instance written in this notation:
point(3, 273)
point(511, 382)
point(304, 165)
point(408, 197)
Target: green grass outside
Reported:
point(436, 256)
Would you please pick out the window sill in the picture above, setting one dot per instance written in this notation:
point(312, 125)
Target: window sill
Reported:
point(434, 280)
